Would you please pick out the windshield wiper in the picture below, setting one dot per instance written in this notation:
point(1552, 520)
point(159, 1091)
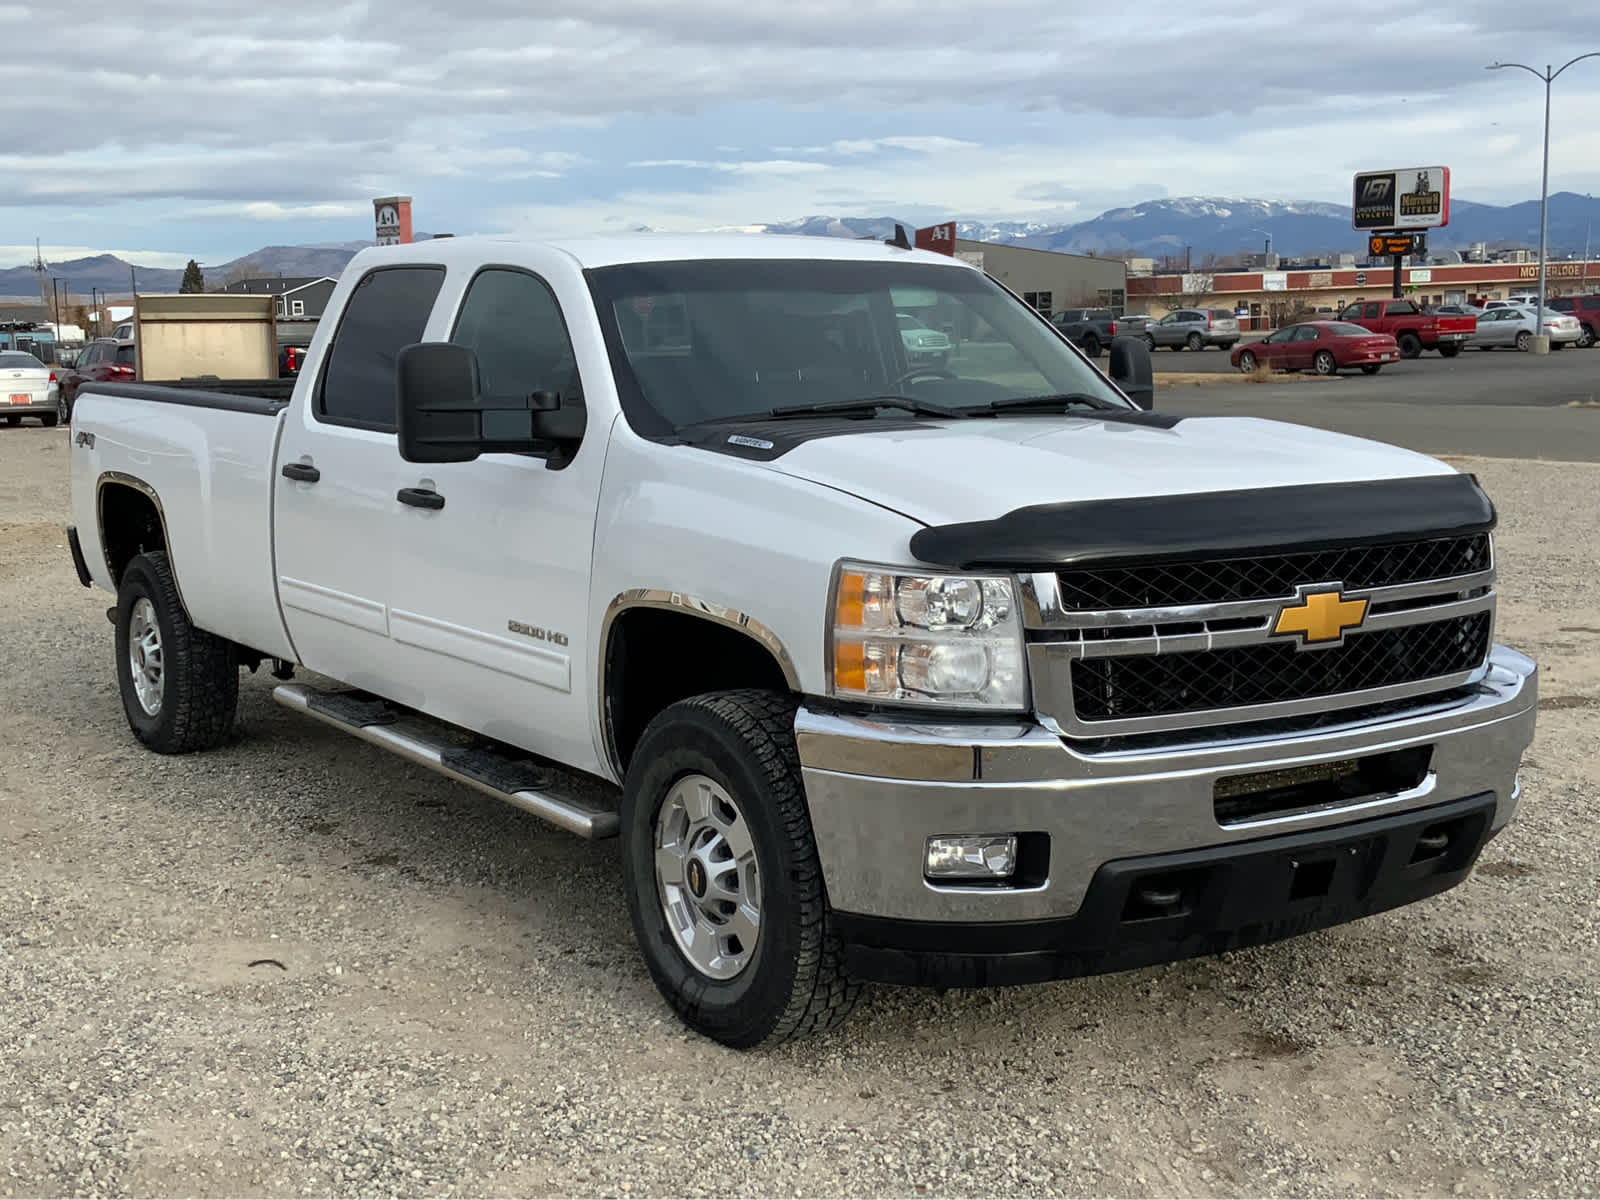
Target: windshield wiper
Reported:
point(1063, 401)
point(861, 406)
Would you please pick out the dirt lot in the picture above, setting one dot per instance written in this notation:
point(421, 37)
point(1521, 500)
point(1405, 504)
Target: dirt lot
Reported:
point(298, 966)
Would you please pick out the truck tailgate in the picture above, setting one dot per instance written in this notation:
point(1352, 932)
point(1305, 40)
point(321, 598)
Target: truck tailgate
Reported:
point(206, 460)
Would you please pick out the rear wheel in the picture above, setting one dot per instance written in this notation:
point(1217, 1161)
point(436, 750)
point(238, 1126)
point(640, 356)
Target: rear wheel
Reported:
point(1194, 342)
point(1323, 363)
point(1410, 345)
point(1586, 337)
point(1247, 361)
point(1524, 339)
point(1372, 369)
point(50, 419)
point(1091, 345)
point(1449, 351)
point(723, 883)
point(1150, 341)
point(13, 418)
point(179, 684)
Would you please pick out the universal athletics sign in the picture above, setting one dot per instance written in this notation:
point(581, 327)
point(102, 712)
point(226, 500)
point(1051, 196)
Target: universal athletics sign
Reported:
point(1409, 198)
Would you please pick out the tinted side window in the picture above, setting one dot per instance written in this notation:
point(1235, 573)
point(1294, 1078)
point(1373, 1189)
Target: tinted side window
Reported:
point(125, 355)
point(511, 319)
point(389, 309)
point(1374, 310)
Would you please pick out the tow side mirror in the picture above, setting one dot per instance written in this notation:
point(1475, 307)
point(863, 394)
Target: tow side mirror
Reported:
point(444, 417)
point(1131, 369)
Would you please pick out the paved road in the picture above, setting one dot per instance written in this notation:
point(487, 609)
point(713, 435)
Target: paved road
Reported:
point(1502, 403)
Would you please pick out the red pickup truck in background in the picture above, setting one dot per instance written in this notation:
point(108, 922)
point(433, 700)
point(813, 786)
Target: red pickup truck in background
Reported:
point(1414, 329)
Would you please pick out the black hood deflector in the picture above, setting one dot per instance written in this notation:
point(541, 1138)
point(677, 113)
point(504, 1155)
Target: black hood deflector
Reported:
point(1208, 525)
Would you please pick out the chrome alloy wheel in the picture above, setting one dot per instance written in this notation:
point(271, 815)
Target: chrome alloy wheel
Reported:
point(145, 655)
point(707, 877)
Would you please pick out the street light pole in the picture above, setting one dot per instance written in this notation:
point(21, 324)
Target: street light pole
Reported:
point(1541, 340)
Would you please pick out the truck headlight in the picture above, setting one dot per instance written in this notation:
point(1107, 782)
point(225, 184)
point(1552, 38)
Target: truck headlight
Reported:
point(949, 640)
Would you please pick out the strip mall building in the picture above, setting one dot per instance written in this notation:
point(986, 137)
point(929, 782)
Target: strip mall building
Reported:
point(1273, 298)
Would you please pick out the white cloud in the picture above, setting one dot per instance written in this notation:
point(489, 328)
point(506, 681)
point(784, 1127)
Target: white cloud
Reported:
point(23, 255)
point(266, 210)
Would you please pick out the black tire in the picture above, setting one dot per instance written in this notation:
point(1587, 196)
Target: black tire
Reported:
point(1372, 368)
point(1449, 351)
point(1324, 363)
point(1247, 361)
point(1150, 341)
point(1194, 342)
point(794, 983)
point(13, 418)
point(1091, 345)
point(1524, 338)
point(1586, 338)
point(1410, 345)
point(50, 419)
point(200, 671)
point(1226, 345)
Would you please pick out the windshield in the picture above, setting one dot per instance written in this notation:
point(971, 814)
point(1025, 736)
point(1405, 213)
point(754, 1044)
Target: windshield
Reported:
point(713, 340)
point(16, 358)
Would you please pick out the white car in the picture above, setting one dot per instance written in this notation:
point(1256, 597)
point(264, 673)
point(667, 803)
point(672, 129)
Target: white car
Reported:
point(28, 388)
point(922, 343)
point(1516, 326)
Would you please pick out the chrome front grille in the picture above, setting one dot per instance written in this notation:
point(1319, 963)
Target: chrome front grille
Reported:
point(1192, 645)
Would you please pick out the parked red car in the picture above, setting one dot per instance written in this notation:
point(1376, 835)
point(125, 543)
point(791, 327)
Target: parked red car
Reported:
point(104, 360)
point(1325, 347)
point(1586, 309)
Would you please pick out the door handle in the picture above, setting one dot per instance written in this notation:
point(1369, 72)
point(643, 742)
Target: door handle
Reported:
point(420, 497)
point(301, 472)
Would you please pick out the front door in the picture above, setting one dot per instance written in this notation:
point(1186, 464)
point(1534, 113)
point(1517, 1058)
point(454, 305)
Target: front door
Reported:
point(1302, 344)
point(338, 475)
point(489, 610)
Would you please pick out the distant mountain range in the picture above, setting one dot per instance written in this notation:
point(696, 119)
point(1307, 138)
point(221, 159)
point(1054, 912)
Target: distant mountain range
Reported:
point(1198, 225)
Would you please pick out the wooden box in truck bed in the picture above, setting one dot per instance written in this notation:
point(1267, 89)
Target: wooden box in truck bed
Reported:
point(206, 333)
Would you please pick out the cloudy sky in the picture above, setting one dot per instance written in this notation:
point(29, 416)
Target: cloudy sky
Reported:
point(171, 128)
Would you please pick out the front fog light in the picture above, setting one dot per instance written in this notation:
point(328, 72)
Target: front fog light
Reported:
point(972, 857)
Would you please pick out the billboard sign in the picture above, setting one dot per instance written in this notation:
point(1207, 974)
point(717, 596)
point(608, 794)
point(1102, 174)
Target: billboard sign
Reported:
point(1412, 198)
point(938, 237)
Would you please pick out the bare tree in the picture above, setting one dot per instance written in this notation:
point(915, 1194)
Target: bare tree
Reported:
point(1196, 287)
point(245, 268)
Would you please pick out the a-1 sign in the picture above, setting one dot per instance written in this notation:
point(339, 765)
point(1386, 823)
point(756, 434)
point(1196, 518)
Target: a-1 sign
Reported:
point(938, 237)
point(1412, 198)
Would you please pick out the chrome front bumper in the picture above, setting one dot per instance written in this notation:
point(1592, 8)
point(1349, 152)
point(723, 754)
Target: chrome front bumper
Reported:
point(878, 789)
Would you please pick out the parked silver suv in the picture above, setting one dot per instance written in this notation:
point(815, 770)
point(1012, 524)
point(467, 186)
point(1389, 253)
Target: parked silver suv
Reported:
point(1193, 329)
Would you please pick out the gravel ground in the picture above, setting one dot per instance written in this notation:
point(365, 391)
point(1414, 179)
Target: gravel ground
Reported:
point(298, 966)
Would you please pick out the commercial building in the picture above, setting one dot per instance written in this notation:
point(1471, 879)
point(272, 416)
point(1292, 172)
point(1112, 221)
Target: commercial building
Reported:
point(1268, 299)
point(1048, 280)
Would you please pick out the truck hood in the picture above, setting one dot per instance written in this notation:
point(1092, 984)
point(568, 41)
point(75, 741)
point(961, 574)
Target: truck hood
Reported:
point(977, 470)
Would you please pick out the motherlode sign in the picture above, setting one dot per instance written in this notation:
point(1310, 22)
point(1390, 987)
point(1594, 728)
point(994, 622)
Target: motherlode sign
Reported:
point(1409, 198)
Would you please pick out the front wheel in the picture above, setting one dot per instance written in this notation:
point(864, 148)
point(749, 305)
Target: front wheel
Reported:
point(1324, 363)
point(1091, 345)
point(1586, 337)
point(723, 882)
point(179, 684)
point(1247, 361)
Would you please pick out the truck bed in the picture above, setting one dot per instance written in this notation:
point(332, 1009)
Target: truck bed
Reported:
point(205, 449)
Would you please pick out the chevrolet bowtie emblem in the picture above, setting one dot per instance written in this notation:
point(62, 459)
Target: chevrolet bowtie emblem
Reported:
point(1320, 617)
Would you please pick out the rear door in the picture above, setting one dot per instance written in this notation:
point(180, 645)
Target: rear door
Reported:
point(339, 472)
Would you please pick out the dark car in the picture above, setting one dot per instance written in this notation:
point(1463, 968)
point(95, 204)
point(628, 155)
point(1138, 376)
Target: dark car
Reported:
point(1090, 328)
point(1586, 309)
point(104, 360)
point(1326, 347)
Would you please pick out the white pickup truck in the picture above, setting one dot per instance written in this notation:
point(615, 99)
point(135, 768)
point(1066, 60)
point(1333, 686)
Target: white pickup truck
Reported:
point(958, 675)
